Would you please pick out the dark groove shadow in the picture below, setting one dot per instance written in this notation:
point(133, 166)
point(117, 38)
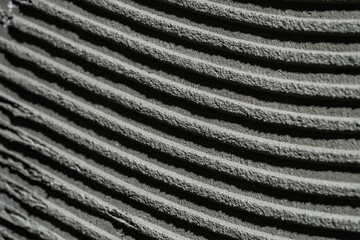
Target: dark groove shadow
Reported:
point(189, 106)
point(170, 130)
point(167, 159)
point(54, 221)
point(169, 100)
point(258, 30)
point(51, 193)
point(18, 230)
point(188, 136)
point(156, 65)
point(305, 6)
point(244, 216)
point(253, 60)
point(101, 189)
point(214, 51)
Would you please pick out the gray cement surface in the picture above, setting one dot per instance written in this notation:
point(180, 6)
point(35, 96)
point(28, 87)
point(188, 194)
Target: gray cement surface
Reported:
point(169, 119)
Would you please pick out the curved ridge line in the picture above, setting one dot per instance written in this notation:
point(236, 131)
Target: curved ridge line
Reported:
point(296, 118)
point(267, 83)
point(231, 199)
point(214, 101)
point(283, 22)
point(80, 165)
point(6, 235)
point(321, 187)
point(18, 219)
point(111, 212)
point(232, 44)
point(324, 1)
point(259, 144)
point(151, 200)
point(49, 208)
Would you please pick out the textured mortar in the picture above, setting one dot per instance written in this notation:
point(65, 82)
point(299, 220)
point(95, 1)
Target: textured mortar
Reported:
point(184, 119)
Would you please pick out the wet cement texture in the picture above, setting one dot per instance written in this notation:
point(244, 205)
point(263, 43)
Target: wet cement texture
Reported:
point(180, 119)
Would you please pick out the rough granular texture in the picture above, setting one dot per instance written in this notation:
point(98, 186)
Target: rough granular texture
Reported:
point(180, 119)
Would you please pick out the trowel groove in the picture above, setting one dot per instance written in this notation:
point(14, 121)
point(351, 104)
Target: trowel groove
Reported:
point(194, 119)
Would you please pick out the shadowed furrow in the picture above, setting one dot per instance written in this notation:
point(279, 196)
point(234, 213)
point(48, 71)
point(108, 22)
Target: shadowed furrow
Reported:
point(47, 207)
point(101, 207)
point(303, 216)
point(191, 32)
point(283, 22)
point(314, 186)
point(179, 119)
point(6, 234)
point(18, 219)
point(228, 136)
point(217, 102)
point(160, 204)
point(225, 73)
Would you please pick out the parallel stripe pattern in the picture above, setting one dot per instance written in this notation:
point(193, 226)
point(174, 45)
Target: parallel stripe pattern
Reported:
point(191, 119)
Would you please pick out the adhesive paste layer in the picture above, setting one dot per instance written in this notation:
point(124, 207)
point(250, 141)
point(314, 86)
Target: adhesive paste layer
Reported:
point(180, 119)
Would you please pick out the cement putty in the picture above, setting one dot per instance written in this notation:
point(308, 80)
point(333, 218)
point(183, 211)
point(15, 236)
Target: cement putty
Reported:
point(122, 119)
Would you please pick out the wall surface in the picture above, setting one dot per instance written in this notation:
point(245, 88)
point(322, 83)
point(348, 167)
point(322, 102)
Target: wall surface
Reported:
point(180, 119)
